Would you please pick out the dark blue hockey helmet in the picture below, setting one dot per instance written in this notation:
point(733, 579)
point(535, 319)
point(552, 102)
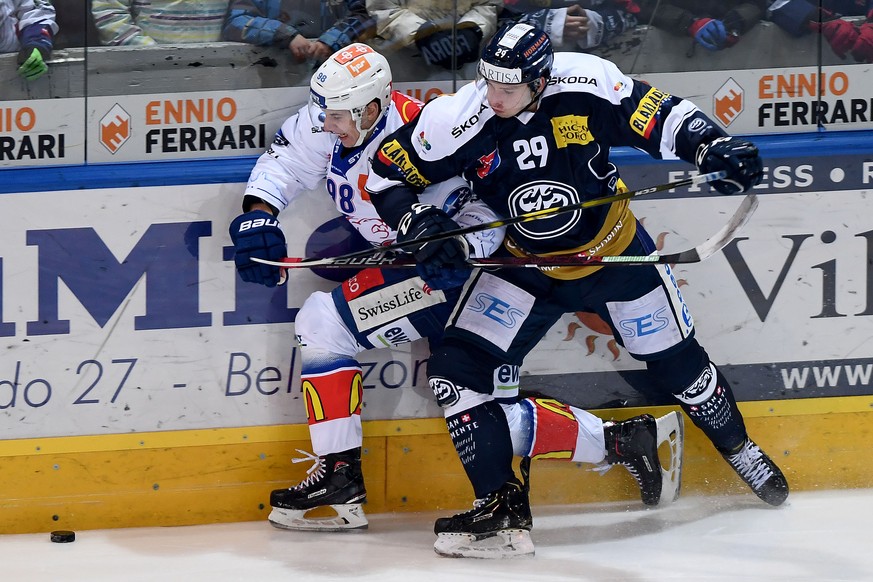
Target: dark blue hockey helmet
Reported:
point(517, 53)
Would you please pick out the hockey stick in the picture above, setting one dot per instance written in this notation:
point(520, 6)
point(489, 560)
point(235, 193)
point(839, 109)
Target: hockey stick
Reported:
point(535, 215)
point(693, 255)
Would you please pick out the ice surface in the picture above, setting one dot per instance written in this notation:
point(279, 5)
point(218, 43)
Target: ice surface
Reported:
point(815, 536)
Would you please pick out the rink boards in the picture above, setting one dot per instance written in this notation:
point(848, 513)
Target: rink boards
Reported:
point(142, 383)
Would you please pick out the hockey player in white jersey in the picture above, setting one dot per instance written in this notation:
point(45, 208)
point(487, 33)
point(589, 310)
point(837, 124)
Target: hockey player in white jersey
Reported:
point(333, 140)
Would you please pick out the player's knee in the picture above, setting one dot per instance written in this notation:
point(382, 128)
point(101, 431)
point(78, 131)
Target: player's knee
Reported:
point(679, 370)
point(318, 325)
point(466, 365)
point(453, 398)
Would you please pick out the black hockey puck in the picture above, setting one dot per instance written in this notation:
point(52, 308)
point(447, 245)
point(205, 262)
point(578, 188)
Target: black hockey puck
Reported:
point(63, 536)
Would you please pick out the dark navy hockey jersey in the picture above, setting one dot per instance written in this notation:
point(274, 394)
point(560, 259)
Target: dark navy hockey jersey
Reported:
point(556, 156)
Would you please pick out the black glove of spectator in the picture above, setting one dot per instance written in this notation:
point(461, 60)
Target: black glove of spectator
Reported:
point(442, 264)
point(257, 234)
point(437, 48)
point(36, 48)
point(738, 157)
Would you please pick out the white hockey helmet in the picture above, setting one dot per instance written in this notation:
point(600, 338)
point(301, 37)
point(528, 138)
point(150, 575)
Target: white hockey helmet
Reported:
point(349, 80)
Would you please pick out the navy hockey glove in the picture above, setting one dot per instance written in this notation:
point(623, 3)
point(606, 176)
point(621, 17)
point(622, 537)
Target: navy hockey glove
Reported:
point(467, 45)
point(257, 234)
point(437, 48)
point(738, 157)
point(442, 264)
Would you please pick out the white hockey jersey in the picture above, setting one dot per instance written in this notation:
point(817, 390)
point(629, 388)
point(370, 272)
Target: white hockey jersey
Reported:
point(302, 155)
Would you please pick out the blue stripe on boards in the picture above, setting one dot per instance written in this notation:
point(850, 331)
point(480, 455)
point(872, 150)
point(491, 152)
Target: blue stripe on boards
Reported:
point(237, 169)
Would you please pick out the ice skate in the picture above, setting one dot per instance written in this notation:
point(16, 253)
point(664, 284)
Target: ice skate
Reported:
point(498, 526)
point(759, 472)
point(334, 480)
point(634, 443)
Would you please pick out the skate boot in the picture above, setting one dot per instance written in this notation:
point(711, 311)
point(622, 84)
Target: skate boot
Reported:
point(498, 526)
point(759, 472)
point(335, 480)
point(633, 443)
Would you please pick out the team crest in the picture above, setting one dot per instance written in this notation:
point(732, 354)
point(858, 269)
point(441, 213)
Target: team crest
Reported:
point(488, 164)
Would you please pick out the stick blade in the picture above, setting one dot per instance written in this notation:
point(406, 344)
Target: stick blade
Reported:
point(720, 239)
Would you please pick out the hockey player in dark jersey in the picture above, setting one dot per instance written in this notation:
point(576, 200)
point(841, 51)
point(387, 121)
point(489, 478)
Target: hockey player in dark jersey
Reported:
point(535, 131)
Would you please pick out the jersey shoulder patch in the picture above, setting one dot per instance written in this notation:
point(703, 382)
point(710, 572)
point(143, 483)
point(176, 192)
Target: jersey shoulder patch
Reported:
point(408, 107)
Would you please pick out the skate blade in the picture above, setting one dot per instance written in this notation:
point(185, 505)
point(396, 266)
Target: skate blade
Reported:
point(671, 430)
point(508, 543)
point(349, 516)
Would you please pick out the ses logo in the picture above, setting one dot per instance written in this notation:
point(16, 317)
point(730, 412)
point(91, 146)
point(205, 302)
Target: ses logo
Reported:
point(496, 309)
point(728, 102)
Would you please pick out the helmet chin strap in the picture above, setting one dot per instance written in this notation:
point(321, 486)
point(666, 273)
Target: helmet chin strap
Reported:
point(536, 94)
point(362, 133)
point(534, 98)
point(359, 118)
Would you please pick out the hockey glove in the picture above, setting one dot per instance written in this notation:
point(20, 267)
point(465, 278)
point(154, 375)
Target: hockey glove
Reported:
point(36, 48)
point(437, 48)
point(863, 48)
point(442, 264)
point(467, 45)
point(257, 234)
point(738, 157)
point(602, 26)
point(709, 33)
point(840, 34)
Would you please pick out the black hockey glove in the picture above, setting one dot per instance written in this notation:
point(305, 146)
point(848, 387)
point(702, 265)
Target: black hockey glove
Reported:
point(437, 48)
point(738, 157)
point(257, 234)
point(442, 264)
point(467, 45)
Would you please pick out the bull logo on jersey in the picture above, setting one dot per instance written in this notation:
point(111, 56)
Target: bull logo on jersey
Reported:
point(542, 195)
point(488, 164)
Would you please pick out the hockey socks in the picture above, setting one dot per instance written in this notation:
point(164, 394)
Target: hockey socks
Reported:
point(333, 391)
point(481, 438)
point(711, 406)
point(544, 428)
